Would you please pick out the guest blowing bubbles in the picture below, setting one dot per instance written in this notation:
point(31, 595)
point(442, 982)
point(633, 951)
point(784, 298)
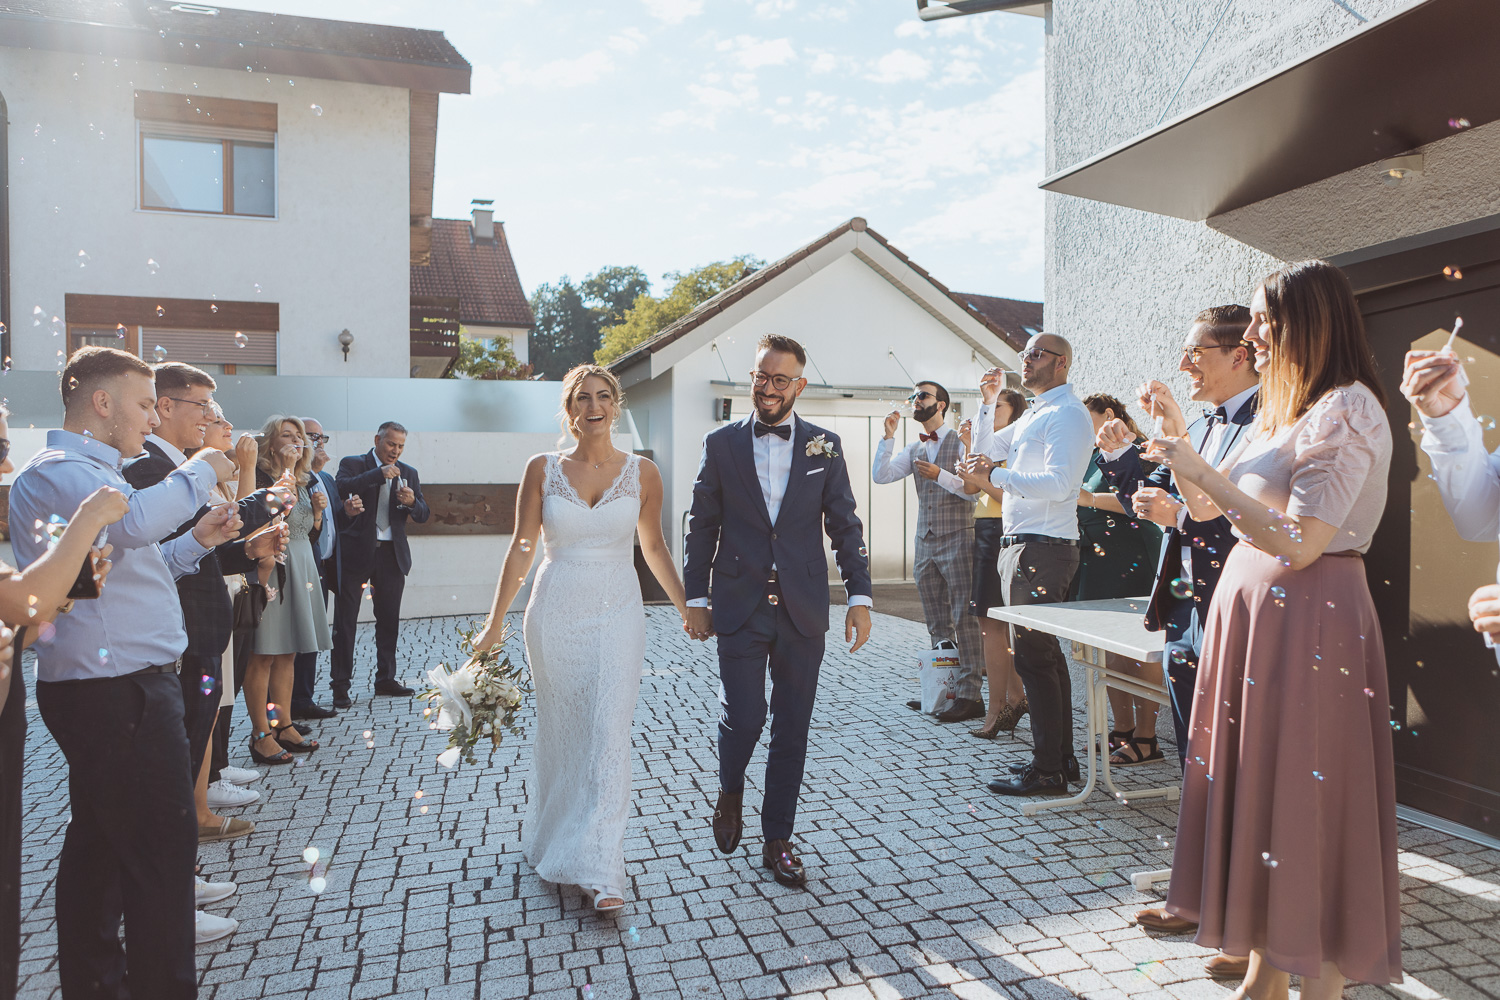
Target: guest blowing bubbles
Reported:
point(1286, 838)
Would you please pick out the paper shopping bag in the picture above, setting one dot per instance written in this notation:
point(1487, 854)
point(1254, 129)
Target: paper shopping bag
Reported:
point(939, 672)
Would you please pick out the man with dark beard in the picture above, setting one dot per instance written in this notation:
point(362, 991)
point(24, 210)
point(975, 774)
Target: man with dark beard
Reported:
point(945, 537)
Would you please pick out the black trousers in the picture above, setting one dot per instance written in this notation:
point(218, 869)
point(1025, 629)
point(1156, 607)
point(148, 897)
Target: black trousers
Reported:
point(12, 750)
point(768, 640)
point(387, 584)
point(1183, 647)
point(1036, 573)
point(200, 683)
point(305, 669)
point(130, 845)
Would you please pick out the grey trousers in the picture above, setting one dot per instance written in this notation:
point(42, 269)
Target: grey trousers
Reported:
point(945, 580)
point(1036, 573)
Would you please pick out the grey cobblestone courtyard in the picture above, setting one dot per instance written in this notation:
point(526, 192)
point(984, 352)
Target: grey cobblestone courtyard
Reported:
point(924, 884)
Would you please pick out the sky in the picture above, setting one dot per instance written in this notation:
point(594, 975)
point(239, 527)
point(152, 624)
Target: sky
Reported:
point(668, 134)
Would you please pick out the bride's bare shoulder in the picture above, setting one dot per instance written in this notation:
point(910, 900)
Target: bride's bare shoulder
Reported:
point(536, 465)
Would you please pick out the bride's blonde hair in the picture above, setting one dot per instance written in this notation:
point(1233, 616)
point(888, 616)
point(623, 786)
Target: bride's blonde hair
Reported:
point(573, 383)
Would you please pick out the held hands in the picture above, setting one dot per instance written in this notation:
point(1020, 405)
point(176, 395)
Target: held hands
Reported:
point(1433, 381)
point(222, 465)
point(892, 421)
point(268, 542)
point(857, 626)
point(1157, 506)
point(221, 524)
point(698, 623)
point(926, 469)
point(102, 564)
point(966, 434)
point(1112, 436)
point(990, 385)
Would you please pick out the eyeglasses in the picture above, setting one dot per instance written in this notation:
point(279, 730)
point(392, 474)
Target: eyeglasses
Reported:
point(318, 439)
point(920, 395)
point(781, 382)
point(208, 407)
point(1035, 354)
point(1195, 354)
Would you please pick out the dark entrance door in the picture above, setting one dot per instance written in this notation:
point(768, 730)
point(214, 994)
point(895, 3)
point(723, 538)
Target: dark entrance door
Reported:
point(1444, 683)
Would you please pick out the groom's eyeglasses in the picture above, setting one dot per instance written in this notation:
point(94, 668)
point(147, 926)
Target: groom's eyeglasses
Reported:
point(780, 382)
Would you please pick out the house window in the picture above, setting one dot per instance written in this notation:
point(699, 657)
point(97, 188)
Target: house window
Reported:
point(206, 155)
point(123, 338)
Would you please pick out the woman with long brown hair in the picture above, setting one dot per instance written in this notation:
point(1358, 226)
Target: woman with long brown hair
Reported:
point(295, 620)
point(1286, 836)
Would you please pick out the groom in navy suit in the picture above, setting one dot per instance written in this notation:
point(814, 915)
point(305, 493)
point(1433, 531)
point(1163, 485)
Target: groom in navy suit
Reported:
point(767, 487)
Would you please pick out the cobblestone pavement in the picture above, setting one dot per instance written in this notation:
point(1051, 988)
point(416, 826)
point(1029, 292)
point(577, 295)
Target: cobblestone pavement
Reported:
point(925, 884)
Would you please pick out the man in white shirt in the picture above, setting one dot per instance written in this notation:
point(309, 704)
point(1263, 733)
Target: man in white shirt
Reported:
point(945, 537)
point(1467, 475)
point(1046, 452)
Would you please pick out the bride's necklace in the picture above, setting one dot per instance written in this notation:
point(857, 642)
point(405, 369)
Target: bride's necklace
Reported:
point(611, 458)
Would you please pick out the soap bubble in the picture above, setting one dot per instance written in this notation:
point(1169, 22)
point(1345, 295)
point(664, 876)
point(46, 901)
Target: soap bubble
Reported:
point(1267, 860)
point(83, 259)
point(1369, 692)
point(161, 311)
point(524, 545)
point(1488, 423)
point(159, 353)
point(1452, 273)
point(152, 265)
point(311, 855)
point(317, 885)
point(206, 684)
point(1182, 588)
point(1458, 123)
point(1318, 775)
point(213, 307)
point(317, 111)
point(240, 340)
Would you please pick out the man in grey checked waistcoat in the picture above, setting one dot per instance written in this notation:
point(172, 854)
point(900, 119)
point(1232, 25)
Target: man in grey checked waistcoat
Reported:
point(945, 536)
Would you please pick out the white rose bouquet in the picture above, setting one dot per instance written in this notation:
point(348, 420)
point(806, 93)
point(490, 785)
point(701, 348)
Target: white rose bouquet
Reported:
point(476, 701)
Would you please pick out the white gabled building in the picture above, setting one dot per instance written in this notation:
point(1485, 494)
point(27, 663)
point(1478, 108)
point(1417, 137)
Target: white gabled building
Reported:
point(872, 322)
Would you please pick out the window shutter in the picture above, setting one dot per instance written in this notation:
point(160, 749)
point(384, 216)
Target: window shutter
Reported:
point(216, 347)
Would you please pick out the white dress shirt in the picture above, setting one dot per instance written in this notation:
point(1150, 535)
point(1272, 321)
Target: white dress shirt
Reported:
point(1213, 443)
point(168, 448)
point(1046, 451)
point(328, 533)
point(892, 468)
point(1467, 475)
point(773, 467)
point(383, 505)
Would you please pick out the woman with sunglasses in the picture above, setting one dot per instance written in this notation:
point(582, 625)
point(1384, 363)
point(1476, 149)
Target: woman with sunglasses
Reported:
point(1286, 836)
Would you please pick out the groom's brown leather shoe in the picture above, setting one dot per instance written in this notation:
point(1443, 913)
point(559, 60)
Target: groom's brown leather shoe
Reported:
point(786, 866)
point(728, 822)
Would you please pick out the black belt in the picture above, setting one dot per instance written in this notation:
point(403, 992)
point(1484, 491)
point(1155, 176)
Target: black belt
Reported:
point(161, 668)
point(382, 541)
point(1006, 541)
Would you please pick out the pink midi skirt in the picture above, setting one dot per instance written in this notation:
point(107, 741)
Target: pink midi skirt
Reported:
point(1286, 835)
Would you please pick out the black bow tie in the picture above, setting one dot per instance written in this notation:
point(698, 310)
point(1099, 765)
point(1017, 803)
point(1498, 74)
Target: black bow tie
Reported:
point(1212, 417)
point(783, 431)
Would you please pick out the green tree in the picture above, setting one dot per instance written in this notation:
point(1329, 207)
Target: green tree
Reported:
point(566, 332)
point(610, 291)
point(487, 359)
point(648, 316)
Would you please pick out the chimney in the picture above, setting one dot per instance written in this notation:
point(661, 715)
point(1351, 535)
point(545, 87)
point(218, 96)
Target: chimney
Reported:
point(484, 218)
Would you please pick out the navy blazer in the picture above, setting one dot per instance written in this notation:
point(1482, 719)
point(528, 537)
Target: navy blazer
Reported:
point(1210, 540)
point(732, 544)
point(360, 475)
point(207, 612)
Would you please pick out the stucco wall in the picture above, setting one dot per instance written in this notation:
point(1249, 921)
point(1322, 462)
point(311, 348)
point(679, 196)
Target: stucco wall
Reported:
point(1123, 285)
point(335, 257)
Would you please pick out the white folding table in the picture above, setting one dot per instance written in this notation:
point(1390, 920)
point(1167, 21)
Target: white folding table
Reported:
point(1096, 628)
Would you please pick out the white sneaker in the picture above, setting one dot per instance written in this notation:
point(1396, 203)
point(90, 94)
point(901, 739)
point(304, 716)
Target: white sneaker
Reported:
point(238, 775)
point(212, 892)
point(211, 928)
point(224, 795)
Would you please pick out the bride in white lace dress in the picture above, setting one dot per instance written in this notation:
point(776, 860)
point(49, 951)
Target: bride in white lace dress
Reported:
point(585, 632)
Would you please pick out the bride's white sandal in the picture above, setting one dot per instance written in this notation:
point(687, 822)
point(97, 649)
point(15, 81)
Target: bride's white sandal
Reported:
point(612, 901)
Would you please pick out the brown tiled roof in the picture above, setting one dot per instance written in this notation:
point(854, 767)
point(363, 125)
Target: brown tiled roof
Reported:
point(755, 279)
point(480, 273)
point(414, 58)
point(1010, 316)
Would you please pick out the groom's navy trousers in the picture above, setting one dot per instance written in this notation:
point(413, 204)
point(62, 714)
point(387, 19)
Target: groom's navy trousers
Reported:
point(768, 639)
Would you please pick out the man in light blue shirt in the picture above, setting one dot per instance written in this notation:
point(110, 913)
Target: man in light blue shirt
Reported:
point(108, 689)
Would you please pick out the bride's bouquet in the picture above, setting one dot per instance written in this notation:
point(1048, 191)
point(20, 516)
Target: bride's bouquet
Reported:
point(476, 701)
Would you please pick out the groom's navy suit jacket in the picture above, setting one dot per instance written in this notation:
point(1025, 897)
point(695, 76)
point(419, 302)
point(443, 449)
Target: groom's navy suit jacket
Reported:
point(732, 544)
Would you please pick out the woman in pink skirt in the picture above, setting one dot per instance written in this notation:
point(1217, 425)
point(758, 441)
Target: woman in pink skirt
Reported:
point(1286, 836)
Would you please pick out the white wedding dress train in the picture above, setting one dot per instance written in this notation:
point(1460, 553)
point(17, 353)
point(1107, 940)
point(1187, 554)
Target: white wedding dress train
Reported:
point(585, 632)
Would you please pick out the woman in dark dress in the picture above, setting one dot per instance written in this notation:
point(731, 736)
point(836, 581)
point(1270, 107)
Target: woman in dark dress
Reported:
point(1118, 559)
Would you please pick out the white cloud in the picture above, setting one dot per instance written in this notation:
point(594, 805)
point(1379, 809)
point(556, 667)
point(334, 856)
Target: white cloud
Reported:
point(673, 11)
point(906, 29)
point(773, 8)
point(900, 66)
point(1003, 210)
point(628, 41)
point(718, 99)
point(578, 71)
point(752, 53)
point(824, 62)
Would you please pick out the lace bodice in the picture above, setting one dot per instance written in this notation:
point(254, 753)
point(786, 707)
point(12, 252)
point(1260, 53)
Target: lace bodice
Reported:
point(299, 519)
point(573, 529)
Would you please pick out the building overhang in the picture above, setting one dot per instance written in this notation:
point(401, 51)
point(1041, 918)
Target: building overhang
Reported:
point(1396, 84)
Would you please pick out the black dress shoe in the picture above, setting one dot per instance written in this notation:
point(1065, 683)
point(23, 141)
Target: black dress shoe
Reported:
point(308, 710)
point(1070, 768)
point(785, 866)
point(393, 687)
point(342, 700)
point(728, 821)
point(961, 710)
point(915, 706)
point(1031, 782)
point(304, 730)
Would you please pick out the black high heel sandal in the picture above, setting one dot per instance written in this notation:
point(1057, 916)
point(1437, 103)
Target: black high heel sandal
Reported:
point(278, 758)
point(1118, 739)
point(306, 746)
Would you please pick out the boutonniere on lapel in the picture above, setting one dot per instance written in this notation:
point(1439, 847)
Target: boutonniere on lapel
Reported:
point(820, 445)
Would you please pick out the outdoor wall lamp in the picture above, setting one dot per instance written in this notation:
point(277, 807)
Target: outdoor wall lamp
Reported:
point(1400, 168)
point(345, 340)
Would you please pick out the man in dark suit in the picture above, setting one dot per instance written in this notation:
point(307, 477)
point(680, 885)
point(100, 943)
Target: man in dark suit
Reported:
point(1222, 375)
point(767, 487)
point(373, 549)
point(305, 666)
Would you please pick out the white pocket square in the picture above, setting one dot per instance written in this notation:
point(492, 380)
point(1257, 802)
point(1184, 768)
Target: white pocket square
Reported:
point(814, 472)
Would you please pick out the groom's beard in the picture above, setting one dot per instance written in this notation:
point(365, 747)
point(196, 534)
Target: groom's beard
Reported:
point(925, 414)
point(769, 411)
